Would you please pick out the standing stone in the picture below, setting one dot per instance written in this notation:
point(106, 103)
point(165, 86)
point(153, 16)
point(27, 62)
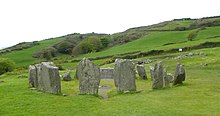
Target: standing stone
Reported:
point(152, 73)
point(167, 78)
point(158, 76)
point(76, 75)
point(49, 79)
point(89, 77)
point(141, 72)
point(106, 73)
point(32, 76)
point(67, 77)
point(124, 75)
point(179, 75)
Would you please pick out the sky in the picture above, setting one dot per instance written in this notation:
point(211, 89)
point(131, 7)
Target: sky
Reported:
point(32, 20)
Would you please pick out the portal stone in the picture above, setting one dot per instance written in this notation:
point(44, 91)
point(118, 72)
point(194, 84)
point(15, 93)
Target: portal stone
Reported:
point(124, 75)
point(48, 78)
point(88, 74)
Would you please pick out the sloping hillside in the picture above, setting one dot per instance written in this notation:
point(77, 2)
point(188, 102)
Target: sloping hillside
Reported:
point(198, 95)
point(165, 35)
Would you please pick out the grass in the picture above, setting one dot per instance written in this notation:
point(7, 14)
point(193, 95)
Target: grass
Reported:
point(157, 40)
point(24, 57)
point(173, 24)
point(199, 95)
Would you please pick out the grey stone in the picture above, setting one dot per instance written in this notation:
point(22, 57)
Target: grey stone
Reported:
point(152, 72)
point(106, 73)
point(179, 75)
point(48, 78)
point(124, 75)
point(32, 76)
point(158, 76)
point(201, 53)
point(67, 77)
point(141, 72)
point(75, 75)
point(167, 78)
point(89, 77)
point(190, 54)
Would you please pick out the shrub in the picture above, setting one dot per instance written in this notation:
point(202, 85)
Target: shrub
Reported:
point(192, 35)
point(91, 44)
point(47, 53)
point(6, 65)
point(64, 47)
point(105, 42)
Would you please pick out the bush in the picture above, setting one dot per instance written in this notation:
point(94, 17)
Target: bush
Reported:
point(64, 47)
point(192, 35)
point(47, 53)
point(105, 42)
point(91, 44)
point(6, 65)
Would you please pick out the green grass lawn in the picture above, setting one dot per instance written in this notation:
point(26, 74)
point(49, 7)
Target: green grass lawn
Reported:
point(199, 95)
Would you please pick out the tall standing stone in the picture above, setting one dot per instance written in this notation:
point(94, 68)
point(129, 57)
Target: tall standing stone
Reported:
point(32, 76)
point(67, 77)
point(49, 79)
point(89, 77)
point(158, 76)
point(179, 75)
point(106, 73)
point(152, 73)
point(124, 75)
point(167, 78)
point(141, 72)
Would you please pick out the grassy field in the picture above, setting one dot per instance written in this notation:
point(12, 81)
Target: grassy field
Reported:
point(173, 24)
point(157, 40)
point(199, 95)
point(24, 57)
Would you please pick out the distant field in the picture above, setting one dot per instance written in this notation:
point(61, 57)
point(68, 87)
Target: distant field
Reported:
point(173, 24)
point(157, 40)
point(24, 57)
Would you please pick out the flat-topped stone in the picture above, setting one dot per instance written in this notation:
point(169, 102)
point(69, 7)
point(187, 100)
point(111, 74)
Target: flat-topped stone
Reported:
point(48, 78)
point(124, 75)
point(88, 74)
point(106, 73)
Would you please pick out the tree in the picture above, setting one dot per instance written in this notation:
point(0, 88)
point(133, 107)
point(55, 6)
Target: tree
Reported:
point(6, 65)
point(47, 53)
point(105, 42)
point(64, 47)
point(90, 44)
